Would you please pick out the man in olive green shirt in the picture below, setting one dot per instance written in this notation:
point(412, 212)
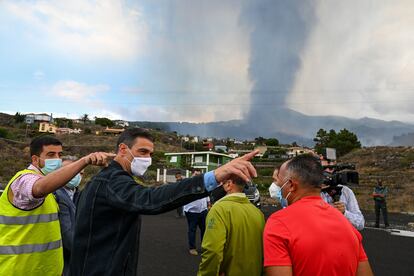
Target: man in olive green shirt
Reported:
point(232, 243)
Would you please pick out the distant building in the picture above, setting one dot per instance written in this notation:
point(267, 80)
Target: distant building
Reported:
point(114, 131)
point(121, 123)
point(208, 145)
point(295, 151)
point(47, 128)
point(32, 118)
point(220, 148)
point(194, 139)
point(185, 139)
point(239, 152)
point(262, 150)
point(66, 130)
point(233, 155)
point(204, 160)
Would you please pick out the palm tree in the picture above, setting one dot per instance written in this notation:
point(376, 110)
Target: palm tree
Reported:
point(85, 118)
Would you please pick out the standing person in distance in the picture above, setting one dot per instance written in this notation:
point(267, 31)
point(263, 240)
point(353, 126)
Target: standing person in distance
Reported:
point(180, 212)
point(196, 213)
point(380, 193)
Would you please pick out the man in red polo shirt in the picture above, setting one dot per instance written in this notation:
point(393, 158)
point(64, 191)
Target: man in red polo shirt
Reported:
point(309, 237)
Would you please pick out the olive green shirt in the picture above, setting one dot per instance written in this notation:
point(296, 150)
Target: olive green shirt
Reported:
point(233, 242)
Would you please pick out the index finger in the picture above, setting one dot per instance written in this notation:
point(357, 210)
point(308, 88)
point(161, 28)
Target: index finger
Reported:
point(249, 155)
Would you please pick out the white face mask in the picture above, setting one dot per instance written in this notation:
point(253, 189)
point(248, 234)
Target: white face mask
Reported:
point(139, 165)
point(276, 193)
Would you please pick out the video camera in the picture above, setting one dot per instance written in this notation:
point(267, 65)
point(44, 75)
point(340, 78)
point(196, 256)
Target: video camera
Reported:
point(340, 174)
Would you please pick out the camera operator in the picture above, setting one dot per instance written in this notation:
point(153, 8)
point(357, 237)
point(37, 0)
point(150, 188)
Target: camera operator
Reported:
point(343, 198)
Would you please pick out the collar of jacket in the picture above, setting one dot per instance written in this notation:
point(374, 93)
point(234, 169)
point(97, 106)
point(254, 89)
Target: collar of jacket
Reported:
point(236, 197)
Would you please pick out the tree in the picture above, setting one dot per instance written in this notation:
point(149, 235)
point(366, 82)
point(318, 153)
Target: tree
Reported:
point(229, 143)
point(272, 142)
point(60, 122)
point(85, 118)
point(4, 133)
point(321, 139)
point(70, 124)
point(105, 122)
point(19, 118)
point(344, 141)
point(259, 140)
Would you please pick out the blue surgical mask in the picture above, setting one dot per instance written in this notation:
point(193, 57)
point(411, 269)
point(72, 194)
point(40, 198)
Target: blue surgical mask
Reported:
point(276, 193)
point(51, 165)
point(74, 182)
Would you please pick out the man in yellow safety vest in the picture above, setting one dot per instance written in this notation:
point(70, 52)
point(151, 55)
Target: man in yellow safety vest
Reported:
point(30, 240)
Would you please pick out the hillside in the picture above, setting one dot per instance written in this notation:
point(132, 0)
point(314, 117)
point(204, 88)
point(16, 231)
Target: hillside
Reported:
point(14, 153)
point(395, 166)
point(289, 125)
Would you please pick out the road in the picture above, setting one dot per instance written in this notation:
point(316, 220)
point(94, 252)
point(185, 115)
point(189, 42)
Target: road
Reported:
point(164, 249)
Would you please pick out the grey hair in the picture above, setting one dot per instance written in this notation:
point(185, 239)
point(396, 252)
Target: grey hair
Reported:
point(307, 169)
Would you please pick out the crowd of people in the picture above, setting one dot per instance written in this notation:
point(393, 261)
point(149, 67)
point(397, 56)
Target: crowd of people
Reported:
point(45, 233)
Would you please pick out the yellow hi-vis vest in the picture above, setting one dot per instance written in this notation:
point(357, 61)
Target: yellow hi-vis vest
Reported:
point(30, 240)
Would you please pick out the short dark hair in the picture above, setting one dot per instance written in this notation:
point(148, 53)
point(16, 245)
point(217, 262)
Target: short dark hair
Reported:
point(37, 144)
point(307, 169)
point(128, 136)
point(238, 181)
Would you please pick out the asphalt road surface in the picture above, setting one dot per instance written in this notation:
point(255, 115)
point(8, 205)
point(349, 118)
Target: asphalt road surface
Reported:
point(164, 249)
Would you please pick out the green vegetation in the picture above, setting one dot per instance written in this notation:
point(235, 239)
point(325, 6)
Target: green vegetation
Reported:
point(105, 122)
point(344, 141)
point(85, 118)
point(19, 118)
point(272, 142)
point(61, 122)
point(4, 133)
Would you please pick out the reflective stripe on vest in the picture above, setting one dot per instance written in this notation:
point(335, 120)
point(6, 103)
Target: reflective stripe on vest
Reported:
point(29, 248)
point(28, 219)
point(30, 240)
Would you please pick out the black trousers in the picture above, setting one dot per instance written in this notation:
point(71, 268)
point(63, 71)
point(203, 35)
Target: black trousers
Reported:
point(381, 205)
point(194, 220)
point(180, 211)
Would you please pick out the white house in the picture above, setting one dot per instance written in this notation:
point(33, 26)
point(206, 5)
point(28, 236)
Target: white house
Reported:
point(295, 151)
point(42, 117)
point(121, 123)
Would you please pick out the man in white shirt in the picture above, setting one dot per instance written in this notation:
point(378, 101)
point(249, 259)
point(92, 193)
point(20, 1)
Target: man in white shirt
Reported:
point(347, 205)
point(196, 213)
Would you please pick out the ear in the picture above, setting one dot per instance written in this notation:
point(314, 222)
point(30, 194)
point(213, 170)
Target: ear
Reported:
point(36, 160)
point(226, 185)
point(294, 185)
point(122, 149)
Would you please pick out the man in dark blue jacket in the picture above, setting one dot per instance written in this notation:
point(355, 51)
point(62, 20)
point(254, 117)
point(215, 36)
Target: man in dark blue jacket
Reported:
point(67, 209)
point(108, 224)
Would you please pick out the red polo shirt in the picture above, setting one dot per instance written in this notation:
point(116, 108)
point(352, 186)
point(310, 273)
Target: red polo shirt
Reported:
point(314, 238)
